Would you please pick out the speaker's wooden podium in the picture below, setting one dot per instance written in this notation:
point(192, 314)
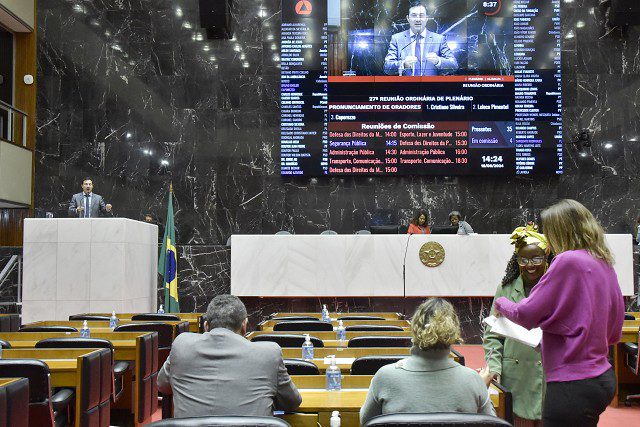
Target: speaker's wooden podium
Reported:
point(78, 265)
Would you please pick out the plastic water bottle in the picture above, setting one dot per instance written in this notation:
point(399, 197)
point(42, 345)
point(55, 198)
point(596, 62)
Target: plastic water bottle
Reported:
point(161, 309)
point(85, 332)
point(307, 348)
point(334, 376)
point(325, 314)
point(335, 419)
point(113, 320)
point(341, 332)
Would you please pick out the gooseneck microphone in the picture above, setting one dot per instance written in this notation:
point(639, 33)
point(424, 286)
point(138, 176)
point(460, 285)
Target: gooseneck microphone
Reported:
point(404, 267)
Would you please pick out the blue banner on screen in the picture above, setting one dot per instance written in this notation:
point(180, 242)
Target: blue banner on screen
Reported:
point(439, 87)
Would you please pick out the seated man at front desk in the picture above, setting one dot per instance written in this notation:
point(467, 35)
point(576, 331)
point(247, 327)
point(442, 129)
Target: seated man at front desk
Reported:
point(222, 373)
point(87, 204)
point(418, 51)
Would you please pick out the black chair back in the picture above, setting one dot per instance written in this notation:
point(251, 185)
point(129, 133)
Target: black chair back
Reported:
point(57, 328)
point(230, 421)
point(37, 372)
point(379, 341)
point(436, 419)
point(303, 325)
point(369, 365)
point(14, 403)
point(162, 317)
point(74, 342)
point(373, 328)
point(164, 330)
point(89, 317)
point(300, 367)
point(96, 387)
point(288, 340)
point(295, 318)
point(355, 317)
point(5, 344)
point(628, 316)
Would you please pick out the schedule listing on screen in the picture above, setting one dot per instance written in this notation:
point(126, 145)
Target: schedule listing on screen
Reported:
point(432, 87)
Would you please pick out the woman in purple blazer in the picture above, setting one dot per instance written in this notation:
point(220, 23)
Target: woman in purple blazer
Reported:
point(579, 307)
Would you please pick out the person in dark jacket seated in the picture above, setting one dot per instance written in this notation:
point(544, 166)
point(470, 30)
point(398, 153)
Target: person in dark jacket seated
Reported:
point(222, 373)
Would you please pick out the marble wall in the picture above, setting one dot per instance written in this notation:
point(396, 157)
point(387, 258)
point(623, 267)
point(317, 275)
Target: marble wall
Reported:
point(128, 94)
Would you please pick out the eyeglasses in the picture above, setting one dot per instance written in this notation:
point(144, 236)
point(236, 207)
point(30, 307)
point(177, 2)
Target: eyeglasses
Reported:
point(523, 262)
point(421, 16)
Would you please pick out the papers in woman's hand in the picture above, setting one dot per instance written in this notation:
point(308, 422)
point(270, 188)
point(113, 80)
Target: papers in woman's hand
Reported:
point(506, 328)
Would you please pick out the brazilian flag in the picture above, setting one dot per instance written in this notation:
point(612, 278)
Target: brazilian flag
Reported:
point(168, 261)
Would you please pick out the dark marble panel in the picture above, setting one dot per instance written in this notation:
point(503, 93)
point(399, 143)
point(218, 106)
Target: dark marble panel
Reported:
point(131, 93)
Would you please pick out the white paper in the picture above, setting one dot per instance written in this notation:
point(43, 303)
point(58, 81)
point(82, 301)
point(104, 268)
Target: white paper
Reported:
point(506, 328)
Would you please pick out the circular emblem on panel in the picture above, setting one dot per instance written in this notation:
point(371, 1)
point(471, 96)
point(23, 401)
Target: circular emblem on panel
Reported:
point(431, 254)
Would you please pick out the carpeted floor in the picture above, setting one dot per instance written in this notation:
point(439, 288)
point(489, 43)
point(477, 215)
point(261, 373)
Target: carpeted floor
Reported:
point(612, 417)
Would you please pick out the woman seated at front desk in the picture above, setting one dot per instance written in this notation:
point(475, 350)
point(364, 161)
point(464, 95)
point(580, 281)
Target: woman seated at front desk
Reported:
point(418, 224)
point(428, 380)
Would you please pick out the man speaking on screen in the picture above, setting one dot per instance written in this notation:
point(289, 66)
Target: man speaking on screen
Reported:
point(418, 51)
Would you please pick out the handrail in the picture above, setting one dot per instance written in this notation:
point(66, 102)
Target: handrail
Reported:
point(11, 107)
point(9, 132)
point(8, 268)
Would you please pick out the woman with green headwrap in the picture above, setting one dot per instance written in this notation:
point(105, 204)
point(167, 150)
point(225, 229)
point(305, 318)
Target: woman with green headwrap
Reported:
point(517, 366)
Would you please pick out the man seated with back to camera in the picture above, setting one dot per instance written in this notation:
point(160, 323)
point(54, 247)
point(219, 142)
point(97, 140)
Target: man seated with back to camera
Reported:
point(220, 372)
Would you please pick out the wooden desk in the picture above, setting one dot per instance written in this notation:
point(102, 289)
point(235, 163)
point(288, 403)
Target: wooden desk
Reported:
point(124, 343)
point(350, 399)
point(328, 336)
point(65, 366)
point(267, 325)
point(386, 315)
point(624, 376)
point(322, 352)
point(346, 358)
point(95, 326)
point(192, 318)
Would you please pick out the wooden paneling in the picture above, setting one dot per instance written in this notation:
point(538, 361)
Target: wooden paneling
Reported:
point(11, 221)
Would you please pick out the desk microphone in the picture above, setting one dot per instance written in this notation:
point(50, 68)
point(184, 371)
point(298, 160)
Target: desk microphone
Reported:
point(401, 66)
point(404, 267)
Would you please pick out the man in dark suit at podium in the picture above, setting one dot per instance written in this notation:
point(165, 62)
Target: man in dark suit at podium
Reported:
point(418, 51)
point(87, 204)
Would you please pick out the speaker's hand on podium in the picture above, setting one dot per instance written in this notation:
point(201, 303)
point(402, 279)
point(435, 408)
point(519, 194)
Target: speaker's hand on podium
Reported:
point(79, 209)
point(108, 207)
point(409, 61)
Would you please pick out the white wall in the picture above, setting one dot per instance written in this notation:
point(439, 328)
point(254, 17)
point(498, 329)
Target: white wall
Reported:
point(18, 15)
point(15, 174)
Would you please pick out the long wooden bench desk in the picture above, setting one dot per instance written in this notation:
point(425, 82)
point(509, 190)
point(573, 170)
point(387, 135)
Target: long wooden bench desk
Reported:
point(128, 346)
point(345, 357)
point(386, 315)
point(100, 326)
point(267, 325)
point(194, 319)
point(68, 369)
point(329, 338)
point(124, 343)
point(349, 400)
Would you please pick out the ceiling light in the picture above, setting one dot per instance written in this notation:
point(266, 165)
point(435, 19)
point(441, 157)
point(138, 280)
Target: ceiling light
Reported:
point(178, 12)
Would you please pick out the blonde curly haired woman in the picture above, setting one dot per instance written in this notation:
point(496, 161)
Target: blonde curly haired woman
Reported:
point(428, 380)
